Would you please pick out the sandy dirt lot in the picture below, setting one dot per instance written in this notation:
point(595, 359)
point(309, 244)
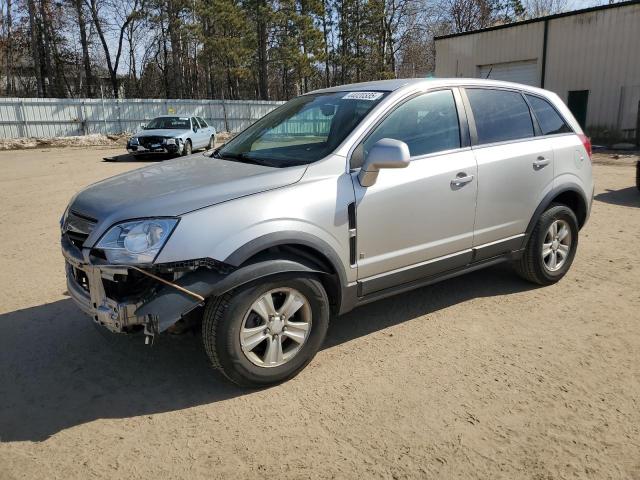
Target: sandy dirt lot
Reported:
point(483, 376)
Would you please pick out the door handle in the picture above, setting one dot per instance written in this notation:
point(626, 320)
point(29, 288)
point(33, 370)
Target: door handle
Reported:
point(461, 179)
point(541, 162)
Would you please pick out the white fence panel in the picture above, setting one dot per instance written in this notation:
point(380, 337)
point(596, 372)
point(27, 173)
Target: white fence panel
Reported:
point(62, 117)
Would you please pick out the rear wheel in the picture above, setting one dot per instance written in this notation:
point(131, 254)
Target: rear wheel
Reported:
point(551, 246)
point(265, 333)
point(212, 142)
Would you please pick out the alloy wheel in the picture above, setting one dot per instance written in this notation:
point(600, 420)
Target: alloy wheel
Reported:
point(275, 327)
point(556, 245)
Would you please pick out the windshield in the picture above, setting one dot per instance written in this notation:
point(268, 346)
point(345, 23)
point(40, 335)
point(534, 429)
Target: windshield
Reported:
point(173, 123)
point(302, 130)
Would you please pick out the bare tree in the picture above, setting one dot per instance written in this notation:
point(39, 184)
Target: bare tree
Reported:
point(541, 8)
point(126, 17)
point(86, 61)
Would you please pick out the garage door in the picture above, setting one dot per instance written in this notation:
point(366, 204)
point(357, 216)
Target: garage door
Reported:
point(520, 72)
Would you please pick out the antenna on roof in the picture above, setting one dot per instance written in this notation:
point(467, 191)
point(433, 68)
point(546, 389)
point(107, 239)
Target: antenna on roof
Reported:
point(488, 73)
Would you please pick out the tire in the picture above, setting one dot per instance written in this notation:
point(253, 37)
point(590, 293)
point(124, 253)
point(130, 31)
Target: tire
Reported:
point(212, 142)
point(535, 267)
point(225, 317)
point(187, 149)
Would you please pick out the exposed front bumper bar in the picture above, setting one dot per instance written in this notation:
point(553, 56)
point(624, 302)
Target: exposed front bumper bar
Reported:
point(90, 295)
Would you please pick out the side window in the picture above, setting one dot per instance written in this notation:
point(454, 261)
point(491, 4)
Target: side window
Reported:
point(500, 115)
point(194, 123)
point(548, 118)
point(203, 124)
point(427, 124)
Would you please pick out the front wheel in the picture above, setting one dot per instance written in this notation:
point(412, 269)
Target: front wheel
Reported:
point(187, 149)
point(551, 246)
point(212, 142)
point(265, 333)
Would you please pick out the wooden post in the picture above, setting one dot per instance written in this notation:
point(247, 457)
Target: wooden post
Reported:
point(24, 119)
point(638, 126)
point(83, 118)
point(224, 113)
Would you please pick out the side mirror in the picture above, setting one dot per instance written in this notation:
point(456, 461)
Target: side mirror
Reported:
point(195, 129)
point(385, 153)
point(143, 126)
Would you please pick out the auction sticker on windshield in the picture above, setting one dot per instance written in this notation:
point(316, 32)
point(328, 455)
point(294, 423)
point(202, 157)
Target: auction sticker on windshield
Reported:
point(371, 96)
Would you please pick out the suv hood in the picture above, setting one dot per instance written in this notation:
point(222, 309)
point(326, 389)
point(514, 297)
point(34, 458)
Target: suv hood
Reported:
point(175, 187)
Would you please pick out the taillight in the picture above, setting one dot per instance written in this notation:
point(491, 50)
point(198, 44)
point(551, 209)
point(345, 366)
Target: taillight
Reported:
point(586, 141)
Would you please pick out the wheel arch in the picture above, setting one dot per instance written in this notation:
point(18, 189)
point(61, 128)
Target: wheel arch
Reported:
point(570, 195)
point(310, 250)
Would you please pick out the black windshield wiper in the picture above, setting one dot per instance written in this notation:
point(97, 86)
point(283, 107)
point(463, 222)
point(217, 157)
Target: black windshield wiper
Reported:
point(239, 157)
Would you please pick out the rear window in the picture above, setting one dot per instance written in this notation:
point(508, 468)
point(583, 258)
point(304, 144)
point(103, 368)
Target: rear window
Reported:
point(500, 115)
point(548, 118)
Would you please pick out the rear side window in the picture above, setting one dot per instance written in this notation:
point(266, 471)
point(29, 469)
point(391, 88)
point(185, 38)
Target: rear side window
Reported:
point(548, 118)
point(500, 115)
point(427, 124)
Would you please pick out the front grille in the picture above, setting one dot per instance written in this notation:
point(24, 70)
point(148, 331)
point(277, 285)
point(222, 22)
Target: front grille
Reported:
point(146, 142)
point(77, 228)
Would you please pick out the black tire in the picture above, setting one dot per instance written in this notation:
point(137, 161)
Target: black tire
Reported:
point(212, 142)
point(187, 149)
point(222, 322)
point(531, 265)
point(638, 175)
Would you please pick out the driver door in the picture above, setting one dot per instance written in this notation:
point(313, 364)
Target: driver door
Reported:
point(417, 221)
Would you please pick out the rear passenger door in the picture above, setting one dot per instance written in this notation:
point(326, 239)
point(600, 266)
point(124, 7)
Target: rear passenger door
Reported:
point(515, 167)
point(207, 128)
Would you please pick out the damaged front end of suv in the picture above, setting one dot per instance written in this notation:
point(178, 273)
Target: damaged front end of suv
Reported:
point(129, 241)
point(119, 286)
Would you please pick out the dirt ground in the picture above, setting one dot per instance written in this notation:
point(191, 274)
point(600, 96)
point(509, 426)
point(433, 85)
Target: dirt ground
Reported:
point(482, 376)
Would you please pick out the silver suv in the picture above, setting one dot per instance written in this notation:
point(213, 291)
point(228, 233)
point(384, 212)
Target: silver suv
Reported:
point(338, 198)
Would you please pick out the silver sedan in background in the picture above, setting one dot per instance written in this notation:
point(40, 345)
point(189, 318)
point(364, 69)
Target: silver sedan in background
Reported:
point(172, 134)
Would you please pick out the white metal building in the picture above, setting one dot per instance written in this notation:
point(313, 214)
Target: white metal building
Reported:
point(590, 57)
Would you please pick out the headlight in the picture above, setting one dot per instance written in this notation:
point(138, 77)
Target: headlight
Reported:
point(138, 241)
point(170, 141)
point(134, 141)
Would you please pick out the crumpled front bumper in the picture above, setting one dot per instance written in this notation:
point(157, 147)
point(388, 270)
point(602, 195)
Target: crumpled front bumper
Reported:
point(86, 287)
point(162, 148)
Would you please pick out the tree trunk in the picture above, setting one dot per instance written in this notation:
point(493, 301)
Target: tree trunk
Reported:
point(35, 48)
point(52, 55)
point(85, 47)
point(261, 24)
point(176, 48)
point(8, 54)
point(327, 79)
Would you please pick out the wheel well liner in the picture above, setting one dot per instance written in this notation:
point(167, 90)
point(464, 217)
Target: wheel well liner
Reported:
point(304, 244)
point(310, 250)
